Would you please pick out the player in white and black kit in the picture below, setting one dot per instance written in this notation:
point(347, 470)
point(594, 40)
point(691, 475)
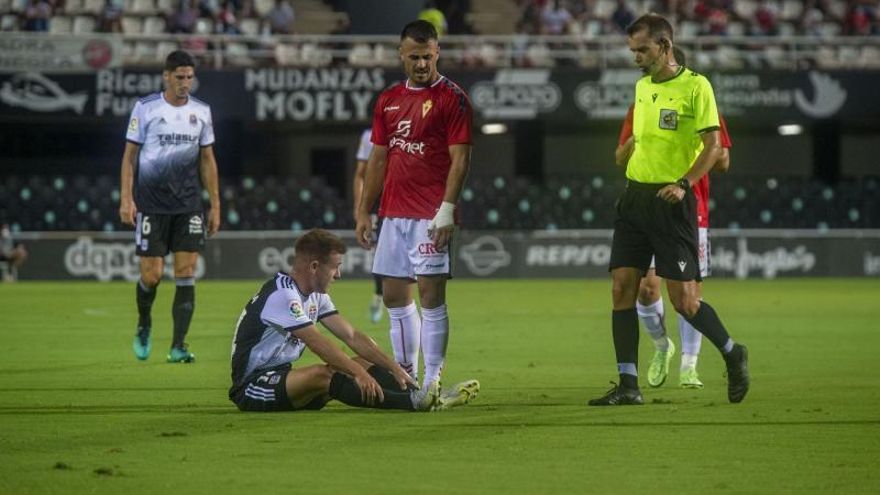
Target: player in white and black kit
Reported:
point(277, 325)
point(168, 159)
point(365, 147)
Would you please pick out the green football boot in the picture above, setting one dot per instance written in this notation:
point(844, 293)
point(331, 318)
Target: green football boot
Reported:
point(142, 344)
point(181, 354)
point(659, 369)
point(688, 378)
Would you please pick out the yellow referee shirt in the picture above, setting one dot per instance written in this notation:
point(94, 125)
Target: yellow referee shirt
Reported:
point(668, 118)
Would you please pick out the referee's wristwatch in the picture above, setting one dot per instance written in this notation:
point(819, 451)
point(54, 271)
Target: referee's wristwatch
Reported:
point(684, 184)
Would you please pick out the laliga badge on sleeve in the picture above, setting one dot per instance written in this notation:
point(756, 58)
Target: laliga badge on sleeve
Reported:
point(296, 309)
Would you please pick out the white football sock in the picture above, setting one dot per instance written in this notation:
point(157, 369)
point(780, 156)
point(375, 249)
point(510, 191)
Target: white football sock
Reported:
point(690, 343)
point(652, 317)
point(406, 332)
point(435, 336)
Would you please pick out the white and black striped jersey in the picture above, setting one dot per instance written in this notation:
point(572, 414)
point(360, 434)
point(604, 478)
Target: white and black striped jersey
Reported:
point(167, 179)
point(265, 336)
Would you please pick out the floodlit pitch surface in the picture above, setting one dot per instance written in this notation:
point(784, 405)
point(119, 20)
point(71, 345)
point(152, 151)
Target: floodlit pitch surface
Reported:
point(78, 414)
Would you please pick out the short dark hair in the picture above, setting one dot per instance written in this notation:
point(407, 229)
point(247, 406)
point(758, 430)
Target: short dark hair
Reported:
point(178, 58)
point(318, 244)
point(679, 55)
point(419, 31)
point(657, 26)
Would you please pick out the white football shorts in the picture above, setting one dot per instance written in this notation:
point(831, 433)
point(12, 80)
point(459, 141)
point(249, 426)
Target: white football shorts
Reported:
point(404, 250)
point(704, 253)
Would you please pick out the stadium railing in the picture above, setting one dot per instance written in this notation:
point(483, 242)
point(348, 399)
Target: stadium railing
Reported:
point(606, 51)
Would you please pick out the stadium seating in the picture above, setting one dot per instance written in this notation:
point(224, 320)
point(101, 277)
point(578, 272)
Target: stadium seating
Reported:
point(270, 203)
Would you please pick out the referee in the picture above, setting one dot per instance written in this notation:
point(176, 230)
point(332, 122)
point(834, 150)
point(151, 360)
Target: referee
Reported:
point(677, 141)
point(168, 159)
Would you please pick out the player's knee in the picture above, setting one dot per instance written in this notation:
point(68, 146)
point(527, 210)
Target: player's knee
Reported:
point(687, 306)
point(648, 295)
point(151, 278)
point(622, 295)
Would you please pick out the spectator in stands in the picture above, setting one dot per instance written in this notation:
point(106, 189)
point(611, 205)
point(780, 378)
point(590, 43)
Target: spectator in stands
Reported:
point(555, 18)
point(712, 15)
point(36, 15)
point(110, 19)
point(766, 20)
point(280, 18)
point(435, 16)
point(456, 12)
point(183, 18)
point(12, 254)
point(622, 16)
point(226, 22)
point(530, 22)
point(860, 18)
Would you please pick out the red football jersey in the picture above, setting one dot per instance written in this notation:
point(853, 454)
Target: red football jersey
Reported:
point(701, 188)
point(418, 125)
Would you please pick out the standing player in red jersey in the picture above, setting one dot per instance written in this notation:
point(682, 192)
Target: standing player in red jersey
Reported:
point(650, 302)
point(420, 158)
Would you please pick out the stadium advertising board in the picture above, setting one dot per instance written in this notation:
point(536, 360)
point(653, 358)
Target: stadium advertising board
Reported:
point(28, 52)
point(478, 254)
point(337, 94)
point(346, 94)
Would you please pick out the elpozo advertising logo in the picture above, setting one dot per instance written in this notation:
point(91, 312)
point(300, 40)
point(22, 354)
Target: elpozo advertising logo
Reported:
point(610, 96)
point(516, 94)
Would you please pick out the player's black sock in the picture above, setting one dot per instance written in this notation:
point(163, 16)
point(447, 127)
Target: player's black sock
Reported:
point(706, 322)
point(345, 390)
point(383, 377)
point(182, 308)
point(625, 331)
point(144, 297)
point(377, 285)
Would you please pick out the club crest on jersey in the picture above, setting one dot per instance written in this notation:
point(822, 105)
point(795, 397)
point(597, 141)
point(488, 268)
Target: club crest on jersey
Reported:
point(296, 309)
point(426, 107)
point(313, 312)
point(668, 119)
point(193, 120)
point(196, 225)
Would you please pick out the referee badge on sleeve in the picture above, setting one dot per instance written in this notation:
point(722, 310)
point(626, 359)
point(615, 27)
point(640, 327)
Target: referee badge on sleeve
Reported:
point(668, 119)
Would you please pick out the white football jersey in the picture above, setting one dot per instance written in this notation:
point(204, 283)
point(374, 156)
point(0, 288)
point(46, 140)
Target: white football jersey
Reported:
point(365, 147)
point(170, 138)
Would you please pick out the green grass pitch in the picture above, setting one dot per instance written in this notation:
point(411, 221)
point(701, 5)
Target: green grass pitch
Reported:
point(78, 414)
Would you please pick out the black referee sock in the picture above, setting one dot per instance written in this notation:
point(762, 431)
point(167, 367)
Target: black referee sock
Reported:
point(182, 308)
point(144, 296)
point(706, 322)
point(345, 390)
point(625, 331)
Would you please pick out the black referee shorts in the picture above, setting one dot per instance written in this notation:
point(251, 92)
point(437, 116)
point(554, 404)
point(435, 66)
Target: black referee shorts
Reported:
point(647, 226)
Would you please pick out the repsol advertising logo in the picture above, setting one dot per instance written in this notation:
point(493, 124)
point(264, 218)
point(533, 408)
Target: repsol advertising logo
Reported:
point(272, 260)
point(116, 91)
point(768, 263)
point(106, 261)
point(334, 94)
point(516, 94)
point(737, 94)
point(608, 97)
point(555, 255)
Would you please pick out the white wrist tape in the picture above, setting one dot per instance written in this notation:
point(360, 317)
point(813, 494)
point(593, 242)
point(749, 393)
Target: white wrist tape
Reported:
point(444, 217)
